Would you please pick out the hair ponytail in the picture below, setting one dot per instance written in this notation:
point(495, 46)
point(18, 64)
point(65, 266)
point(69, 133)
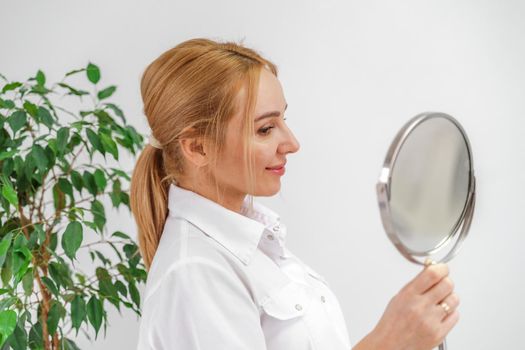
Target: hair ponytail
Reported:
point(149, 200)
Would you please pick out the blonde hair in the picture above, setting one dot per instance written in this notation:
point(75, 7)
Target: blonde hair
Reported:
point(189, 91)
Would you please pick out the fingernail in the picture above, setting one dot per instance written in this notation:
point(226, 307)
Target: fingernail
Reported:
point(429, 262)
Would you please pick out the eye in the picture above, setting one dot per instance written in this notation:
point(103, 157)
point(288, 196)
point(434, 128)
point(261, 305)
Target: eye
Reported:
point(265, 131)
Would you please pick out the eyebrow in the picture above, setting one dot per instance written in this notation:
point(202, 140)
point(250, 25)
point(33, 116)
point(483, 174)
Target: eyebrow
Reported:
point(270, 114)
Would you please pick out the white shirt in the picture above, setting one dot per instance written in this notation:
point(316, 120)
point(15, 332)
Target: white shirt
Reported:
point(222, 280)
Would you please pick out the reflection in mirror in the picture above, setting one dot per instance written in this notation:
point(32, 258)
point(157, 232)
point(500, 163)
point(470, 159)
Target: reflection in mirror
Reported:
point(429, 185)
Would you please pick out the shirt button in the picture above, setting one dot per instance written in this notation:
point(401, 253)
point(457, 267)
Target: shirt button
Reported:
point(298, 307)
point(323, 299)
point(270, 237)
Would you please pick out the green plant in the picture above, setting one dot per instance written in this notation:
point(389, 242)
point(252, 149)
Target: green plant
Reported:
point(52, 209)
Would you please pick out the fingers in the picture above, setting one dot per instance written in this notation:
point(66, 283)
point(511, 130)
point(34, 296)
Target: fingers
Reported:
point(448, 306)
point(427, 278)
point(449, 322)
point(440, 290)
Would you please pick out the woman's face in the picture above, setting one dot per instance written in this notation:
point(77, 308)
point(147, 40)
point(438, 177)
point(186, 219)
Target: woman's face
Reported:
point(271, 143)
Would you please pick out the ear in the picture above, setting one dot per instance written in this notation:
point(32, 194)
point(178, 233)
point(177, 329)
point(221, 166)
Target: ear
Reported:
point(193, 150)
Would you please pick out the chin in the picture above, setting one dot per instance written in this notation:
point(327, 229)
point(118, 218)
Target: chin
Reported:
point(268, 191)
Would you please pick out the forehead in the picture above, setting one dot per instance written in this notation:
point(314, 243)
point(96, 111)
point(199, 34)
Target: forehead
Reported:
point(270, 96)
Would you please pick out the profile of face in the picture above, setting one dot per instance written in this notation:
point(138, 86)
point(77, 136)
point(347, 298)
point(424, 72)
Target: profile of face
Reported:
point(271, 143)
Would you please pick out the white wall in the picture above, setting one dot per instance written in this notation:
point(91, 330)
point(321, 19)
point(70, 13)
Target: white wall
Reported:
point(353, 73)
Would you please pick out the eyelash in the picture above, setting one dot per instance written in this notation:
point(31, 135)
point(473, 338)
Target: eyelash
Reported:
point(265, 131)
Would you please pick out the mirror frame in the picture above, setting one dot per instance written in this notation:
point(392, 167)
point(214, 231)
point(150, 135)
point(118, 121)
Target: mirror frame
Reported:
point(460, 229)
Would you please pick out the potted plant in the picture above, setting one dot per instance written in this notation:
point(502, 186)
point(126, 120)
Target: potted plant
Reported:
point(52, 208)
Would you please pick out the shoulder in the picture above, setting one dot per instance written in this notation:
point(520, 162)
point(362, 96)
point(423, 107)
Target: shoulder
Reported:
point(186, 251)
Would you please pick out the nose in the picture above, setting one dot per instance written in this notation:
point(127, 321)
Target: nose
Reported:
point(289, 143)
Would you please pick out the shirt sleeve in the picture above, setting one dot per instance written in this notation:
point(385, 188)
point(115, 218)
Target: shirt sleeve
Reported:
point(201, 305)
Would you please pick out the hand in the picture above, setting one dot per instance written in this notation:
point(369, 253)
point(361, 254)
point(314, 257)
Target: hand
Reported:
point(415, 318)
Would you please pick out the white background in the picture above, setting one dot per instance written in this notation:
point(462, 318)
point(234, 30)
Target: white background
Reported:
point(353, 73)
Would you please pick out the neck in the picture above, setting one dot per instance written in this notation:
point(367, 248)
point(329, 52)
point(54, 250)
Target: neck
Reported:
point(228, 198)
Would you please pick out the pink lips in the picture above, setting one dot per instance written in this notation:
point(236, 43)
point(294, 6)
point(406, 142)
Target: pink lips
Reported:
point(278, 170)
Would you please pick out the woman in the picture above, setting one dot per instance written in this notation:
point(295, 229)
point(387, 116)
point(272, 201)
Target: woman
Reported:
point(220, 276)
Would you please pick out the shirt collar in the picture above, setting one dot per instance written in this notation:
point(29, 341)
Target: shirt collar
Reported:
point(238, 233)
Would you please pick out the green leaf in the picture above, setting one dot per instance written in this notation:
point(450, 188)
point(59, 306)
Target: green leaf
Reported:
point(4, 154)
point(121, 287)
point(106, 287)
point(17, 120)
point(117, 111)
point(7, 104)
point(53, 241)
point(53, 317)
point(40, 78)
point(75, 71)
point(68, 344)
point(40, 157)
point(115, 199)
point(40, 90)
point(100, 180)
point(72, 90)
point(51, 155)
point(121, 173)
point(29, 166)
point(8, 166)
point(7, 323)
point(102, 258)
point(31, 108)
point(107, 92)
point(36, 341)
point(93, 73)
point(76, 179)
point(109, 145)
point(11, 86)
point(103, 117)
point(72, 238)
point(62, 138)
point(48, 282)
point(40, 232)
point(120, 235)
point(78, 311)
point(8, 192)
point(7, 269)
point(95, 313)
point(99, 215)
point(65, 186)
point(134, 293)
point(89, 182)
point(20, 242)
point(27, 282)
point(33, 239)
point(7, 302)
point(94, 139)
point(60, 274)
point(46, 117)
point(18, 340)
point(4, 246)
point(21, 258)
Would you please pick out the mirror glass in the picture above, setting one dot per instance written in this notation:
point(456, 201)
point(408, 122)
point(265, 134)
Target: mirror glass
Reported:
point(429, 184)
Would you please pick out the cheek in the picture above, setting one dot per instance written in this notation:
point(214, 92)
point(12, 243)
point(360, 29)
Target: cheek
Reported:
point(263, 155)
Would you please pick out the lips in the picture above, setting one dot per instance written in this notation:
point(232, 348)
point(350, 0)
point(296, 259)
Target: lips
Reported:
point(276, 167)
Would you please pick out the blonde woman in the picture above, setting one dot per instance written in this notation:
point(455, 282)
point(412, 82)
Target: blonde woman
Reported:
point(220, 275)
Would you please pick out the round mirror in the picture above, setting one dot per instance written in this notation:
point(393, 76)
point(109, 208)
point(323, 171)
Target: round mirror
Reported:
point(426, 190)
